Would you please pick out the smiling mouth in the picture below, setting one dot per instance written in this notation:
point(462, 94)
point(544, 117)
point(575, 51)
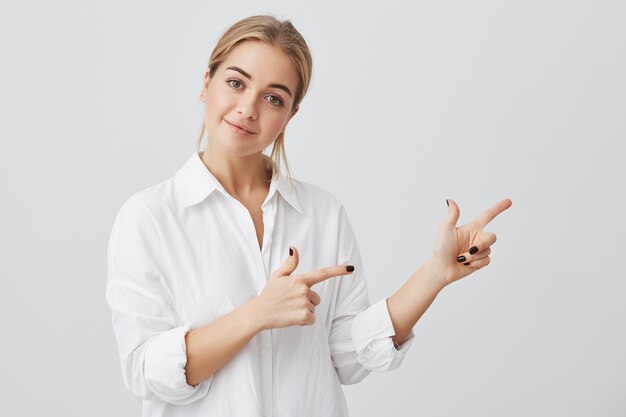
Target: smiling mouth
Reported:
point(238, 129)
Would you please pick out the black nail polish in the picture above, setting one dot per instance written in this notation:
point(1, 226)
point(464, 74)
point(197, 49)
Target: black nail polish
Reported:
point(349, 268)
point(460, 258)
point(447, 204)
point(466, 263)
point(473, 250)
point(290, 252)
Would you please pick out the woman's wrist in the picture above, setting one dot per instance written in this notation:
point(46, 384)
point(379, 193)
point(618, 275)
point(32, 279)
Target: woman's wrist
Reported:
point(437, 272)
point(255, 315)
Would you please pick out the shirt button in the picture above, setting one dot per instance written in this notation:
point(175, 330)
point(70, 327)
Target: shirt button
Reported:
point(264, 351)
point(266, 411)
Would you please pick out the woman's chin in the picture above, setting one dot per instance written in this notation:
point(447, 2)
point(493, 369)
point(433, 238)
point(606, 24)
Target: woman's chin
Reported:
point(237, 147)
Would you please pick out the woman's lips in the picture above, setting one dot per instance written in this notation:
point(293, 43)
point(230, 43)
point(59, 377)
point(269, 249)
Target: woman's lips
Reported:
point(238, 130)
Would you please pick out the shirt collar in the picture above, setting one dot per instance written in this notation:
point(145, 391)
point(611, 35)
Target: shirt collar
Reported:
point(195, 182)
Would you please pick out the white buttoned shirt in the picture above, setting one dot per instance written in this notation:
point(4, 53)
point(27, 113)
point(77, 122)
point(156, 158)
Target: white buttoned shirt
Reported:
point(184, 252)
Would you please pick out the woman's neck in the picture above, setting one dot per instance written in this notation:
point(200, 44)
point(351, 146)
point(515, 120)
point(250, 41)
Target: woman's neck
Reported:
point(242, 178)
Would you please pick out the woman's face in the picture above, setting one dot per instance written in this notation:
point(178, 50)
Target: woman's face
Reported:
point(260, 100)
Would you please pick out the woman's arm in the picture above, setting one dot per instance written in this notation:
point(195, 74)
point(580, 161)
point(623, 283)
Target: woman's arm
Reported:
point(212, 346)
point(410, 302)
point(458, 252)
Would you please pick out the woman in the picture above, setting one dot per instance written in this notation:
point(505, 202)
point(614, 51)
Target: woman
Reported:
point(210, 272)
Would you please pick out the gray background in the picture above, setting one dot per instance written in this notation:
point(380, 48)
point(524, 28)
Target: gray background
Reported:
point(410, 104)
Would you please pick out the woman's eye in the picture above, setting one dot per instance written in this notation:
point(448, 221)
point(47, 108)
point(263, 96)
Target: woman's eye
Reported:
point(278, 101)
point(233, 80)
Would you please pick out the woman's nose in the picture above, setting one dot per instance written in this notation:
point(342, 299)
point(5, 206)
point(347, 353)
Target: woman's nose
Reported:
point(247, 108)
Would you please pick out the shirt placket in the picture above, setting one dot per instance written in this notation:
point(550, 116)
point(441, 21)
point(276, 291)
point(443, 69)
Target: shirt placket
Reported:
point(262, 257)
point(265, 337)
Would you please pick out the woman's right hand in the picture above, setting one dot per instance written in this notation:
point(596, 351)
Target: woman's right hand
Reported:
point(288, 300)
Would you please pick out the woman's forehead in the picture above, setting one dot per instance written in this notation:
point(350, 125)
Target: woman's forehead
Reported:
point(262, 62)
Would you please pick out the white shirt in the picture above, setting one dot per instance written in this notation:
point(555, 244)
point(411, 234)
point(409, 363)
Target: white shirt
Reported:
point(184, 252)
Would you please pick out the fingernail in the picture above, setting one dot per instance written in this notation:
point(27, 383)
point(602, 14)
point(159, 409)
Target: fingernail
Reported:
point(349, 268)
point(466, 263)
point(447, 204)
point(290, 251)
point(460, 258)
point(473, 250)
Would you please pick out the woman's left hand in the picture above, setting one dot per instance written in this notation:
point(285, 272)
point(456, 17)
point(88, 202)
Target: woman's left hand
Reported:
point(459, 251)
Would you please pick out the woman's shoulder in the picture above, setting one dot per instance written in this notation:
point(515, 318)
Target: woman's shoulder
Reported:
point(152, 199)
point(317, 197)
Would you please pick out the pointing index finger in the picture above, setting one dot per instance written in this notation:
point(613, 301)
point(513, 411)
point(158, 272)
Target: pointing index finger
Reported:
point(315, 277)
point(489, 214)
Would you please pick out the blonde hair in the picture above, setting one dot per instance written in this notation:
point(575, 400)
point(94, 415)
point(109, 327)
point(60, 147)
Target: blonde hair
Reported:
point(278, 33)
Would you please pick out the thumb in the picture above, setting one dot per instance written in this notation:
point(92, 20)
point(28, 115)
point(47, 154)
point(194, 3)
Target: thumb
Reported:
point(453, 215)
point(289, 265)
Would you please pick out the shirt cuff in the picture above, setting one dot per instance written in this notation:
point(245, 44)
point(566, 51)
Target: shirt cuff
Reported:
point(165, 361)
point(371, 332)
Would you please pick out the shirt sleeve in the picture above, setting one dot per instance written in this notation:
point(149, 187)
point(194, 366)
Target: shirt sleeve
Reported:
point(360, 336)
point(150, 336)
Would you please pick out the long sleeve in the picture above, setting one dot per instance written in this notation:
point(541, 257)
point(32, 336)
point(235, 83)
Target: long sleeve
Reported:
point(150, 336)
point(360, 333)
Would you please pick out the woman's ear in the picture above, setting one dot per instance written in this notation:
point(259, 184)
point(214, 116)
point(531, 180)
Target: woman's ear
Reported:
point(292, 114)
point(205, 85)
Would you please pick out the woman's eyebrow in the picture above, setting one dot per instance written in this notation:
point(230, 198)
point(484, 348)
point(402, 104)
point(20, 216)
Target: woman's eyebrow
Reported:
point(273, 85)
